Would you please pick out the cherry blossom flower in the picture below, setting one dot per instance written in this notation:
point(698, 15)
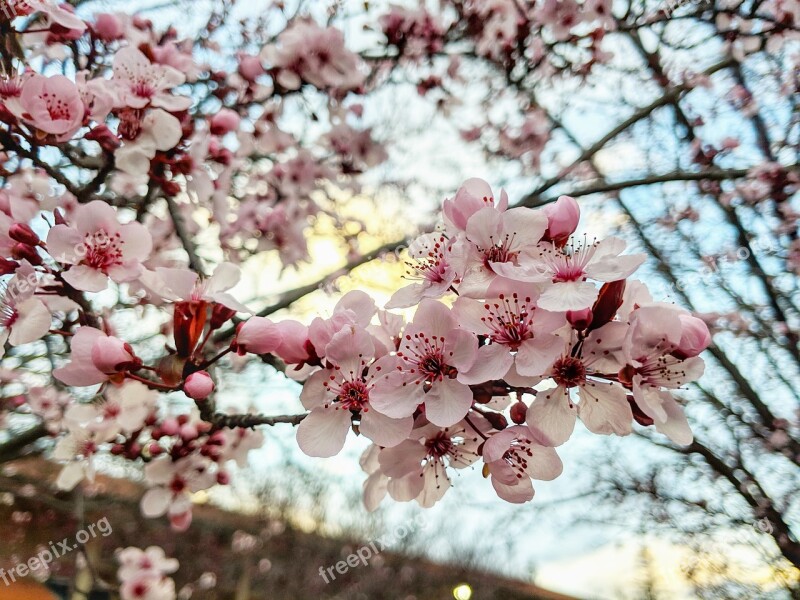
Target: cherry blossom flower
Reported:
point(514, 457)
point(78, 448)
point(96, 358)
point(494, 243)
point(306, 52)
point(183, 285)
point(52, 105)
point(519, 334)
point(655, 334)
point(143, 574)
point(431, 268)
point(603, 408)
point(173, 483)
point(561, 16)
point(355, 308)
point(426, 369)
point(158, 131)
point(340, 393)
point(98, 247)
point(50, 405)
point(569, 269)
point(473, 195)
point(418, 468)
point(133, 562)
point(54, 14)
point(258, 335)
point(141, 83)
point(23, 317)
point(124, 409)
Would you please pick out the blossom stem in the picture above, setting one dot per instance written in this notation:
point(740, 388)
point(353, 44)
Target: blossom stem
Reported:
point(152, 384)
point(478, 431)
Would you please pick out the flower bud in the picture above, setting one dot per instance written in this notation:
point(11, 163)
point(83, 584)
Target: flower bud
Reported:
point(695, 337)
point(579, 319)
point(155, 449)
point(108, 27)
point(258, 335)
point(250, 67)
point(562, 220)
point(107, 139)
point(7, 267)
point(188, 432)
point(199, 385)
point(21, 232)
point(21, 251)
point(225, 121)
point(170, 426)
point(519, 411)
point(497, 420)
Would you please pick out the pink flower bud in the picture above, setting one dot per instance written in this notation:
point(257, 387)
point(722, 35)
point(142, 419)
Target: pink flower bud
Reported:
point(695, 337)
point(225, 121)
point(198, 385)
point(108, 27)
point(250, 67)
point(110, 355)
point(580, 319)
point(170, 426)
point(258, 335)
point(562, 219)
point(188, 432)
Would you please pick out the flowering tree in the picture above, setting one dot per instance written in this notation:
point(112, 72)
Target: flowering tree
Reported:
point(141, 169)
point(683, 118)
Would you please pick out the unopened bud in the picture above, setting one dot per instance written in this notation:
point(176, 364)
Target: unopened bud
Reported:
point(519, 411)
point(497, 420)
point(21, 232)
point(27, 252)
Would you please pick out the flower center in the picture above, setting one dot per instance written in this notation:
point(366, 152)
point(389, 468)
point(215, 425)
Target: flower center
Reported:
point(510, 320)
point(142, 89)
point(427, 359)
point(517, 456)
point(9, 89)
point(8, 316)
point(498, 254)
point(569, 371)
point(353, 395)
point(103, 251)
point(432, 267)
point(56, 108)
point(440, 445)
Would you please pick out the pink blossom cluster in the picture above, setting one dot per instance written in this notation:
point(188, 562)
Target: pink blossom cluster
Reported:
point(143, 574)
point(519, 328)
point(136, 112)
point(508, 308)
